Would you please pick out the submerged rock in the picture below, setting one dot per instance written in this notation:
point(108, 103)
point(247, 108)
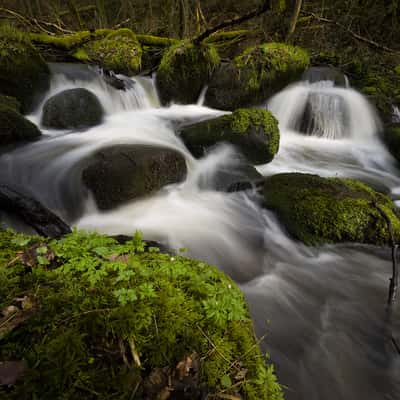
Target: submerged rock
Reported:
point(125, 321)
point(325, 114)
point(23, 73)
point(14, 127)
point(122, 173)
point(325, 73)
point(253, 131)
point(184, 71)
point(72, 108)
point(255, 75)
point(119, 51)
point(319, 210)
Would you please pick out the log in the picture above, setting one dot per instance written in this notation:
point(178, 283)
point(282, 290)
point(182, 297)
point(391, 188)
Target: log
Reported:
point(33, 213)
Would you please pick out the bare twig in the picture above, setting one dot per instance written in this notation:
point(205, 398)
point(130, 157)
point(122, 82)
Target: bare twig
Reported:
point(352, 33)
point(235, 21)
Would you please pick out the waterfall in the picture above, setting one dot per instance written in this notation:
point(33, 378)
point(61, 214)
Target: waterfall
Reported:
point(327, 331)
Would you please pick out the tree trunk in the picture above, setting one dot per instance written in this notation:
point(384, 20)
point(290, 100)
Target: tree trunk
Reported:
point(295, 17)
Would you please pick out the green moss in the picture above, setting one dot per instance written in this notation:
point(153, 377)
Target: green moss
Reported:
point(268, 64)
point(328, 210)
point(10, 102)
point(254, 131)
point(69, 41)
point(184, 70)
point(255, 75)
point(103, 316)
point(119, 51)
point(397, 69)
point(223, 36)
point(156, 41)
point(23, 73)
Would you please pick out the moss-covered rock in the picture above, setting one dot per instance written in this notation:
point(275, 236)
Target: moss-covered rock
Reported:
point(122, 173)
point(254, 132)
point(119, 51)
point(392, 139)
point(14, 127)
point(23, 73)
point(10, 102)
point(328, 210)
point(95, 319)
point(72, 108)
point(255, 75)
point(184, 71)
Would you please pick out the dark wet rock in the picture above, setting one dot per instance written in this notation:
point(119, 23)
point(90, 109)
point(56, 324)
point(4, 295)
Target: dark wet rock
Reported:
point(122, 173)
point(33, 213)
point(253, 131)
point(72, 108)
point(14, 127)
point(325, 73)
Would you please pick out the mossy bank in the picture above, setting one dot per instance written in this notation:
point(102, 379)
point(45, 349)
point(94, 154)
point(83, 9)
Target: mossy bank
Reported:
point(329, 210)
point(23, 72)
point(91, 318)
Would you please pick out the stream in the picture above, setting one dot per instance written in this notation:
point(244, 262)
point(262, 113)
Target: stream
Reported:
point(323, 309)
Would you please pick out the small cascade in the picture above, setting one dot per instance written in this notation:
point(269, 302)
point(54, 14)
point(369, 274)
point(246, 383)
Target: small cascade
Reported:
point(134, 96)
point(324, 110)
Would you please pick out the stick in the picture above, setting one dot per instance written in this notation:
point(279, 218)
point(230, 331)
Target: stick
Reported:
point(231, 22)
point(352, 33)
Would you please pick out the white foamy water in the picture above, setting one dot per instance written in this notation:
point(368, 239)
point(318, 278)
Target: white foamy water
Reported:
point(328, 333)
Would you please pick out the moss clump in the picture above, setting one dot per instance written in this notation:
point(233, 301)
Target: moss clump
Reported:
point(23, 73)
point(392, 140)
point(255, 75)
point(10, 102)
point(13, 126)
point(104, 316)
point(156, 41)
point(184, 71)
point(119, 51)
point(328, 210)
point(254, 131)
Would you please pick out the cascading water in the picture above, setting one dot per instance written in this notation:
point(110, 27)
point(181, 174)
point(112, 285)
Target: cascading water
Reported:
point(328, 334)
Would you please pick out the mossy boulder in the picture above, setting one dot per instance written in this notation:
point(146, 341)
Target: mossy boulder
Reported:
point(255, 75)
point(14, 127)
point(96, 319)
point(23, 73)
point(254, 132)
point(72, 108)
point(122, 173)
point(119, 51)
point(392, 139)
point(329, 210)
point(184, 70)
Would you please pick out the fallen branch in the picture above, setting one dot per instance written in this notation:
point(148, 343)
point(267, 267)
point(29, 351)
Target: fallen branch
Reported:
point(235, 21)
point(352, 33)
